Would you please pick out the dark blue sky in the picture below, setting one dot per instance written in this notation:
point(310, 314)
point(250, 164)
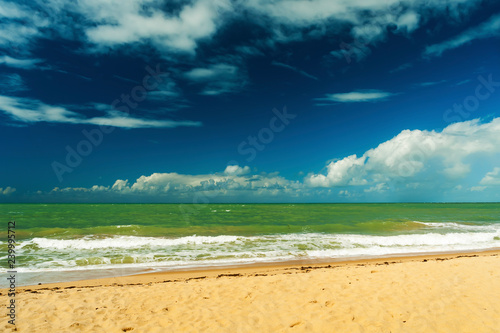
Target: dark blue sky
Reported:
point(254, 101)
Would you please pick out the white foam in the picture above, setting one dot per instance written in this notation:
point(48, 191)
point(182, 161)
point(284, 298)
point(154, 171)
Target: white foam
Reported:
point(91, 252)
point(124, 242)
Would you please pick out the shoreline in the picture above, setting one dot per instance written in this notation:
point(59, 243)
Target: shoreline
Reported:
point(147, 276)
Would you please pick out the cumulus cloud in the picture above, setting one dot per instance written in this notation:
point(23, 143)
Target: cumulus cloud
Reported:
point(414, 162)
point(28, 110)
point(490, 28)
point(492, 177)
point(356, 96)
point(234, 181)
point(236, 170)
point(422, 156)
point(7, 191)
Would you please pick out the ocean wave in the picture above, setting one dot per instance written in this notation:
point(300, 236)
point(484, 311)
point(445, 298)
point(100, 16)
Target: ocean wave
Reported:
point(41, 254)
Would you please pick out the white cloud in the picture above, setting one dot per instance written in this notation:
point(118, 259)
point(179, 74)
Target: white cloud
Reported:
point(178, 27)
point(478, 188)
point(235, 181)
point(340, 173)
point(217, 78)
point(301, 72)
point(356, 96)
point(20, 27)
point(490, 28)
point(380, 187)
point(32, 111)
point(430, 83)
point(417, 156)
point(117, 23)
point(491, 178)
point(7, 191)
point(408, 21)
point(236, 170)
point(414, 165)
point(19, 63)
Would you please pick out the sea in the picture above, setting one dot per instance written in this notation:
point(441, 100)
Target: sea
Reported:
point(65, 242)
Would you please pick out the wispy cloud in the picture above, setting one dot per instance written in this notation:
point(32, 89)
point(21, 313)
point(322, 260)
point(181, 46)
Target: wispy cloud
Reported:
point(430, 83)
point(217, 78)
point(463, 82)
point(301, 72)
point(356, 96)
point(12, 83)
point(28, 110)
point(19, 63)
point(401, 68)
point(490, 28)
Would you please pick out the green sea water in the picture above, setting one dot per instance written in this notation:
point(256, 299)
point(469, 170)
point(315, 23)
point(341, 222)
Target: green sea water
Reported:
point(74, 237)
point(173, 220)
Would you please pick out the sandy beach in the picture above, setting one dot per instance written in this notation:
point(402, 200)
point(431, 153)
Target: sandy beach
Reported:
point(427, 293)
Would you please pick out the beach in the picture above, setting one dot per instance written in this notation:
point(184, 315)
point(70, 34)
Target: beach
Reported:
point(425, 293)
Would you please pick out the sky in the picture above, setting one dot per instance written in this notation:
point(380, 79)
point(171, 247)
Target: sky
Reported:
point(209, 101)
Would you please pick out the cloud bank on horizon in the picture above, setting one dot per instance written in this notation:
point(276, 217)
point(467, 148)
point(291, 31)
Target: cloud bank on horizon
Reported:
point(412, 162)
point(186, 82)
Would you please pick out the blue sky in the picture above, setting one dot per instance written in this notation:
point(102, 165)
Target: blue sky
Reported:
point(249, 101)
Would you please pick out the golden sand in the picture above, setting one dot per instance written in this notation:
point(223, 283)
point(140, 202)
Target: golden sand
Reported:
point(431, 293)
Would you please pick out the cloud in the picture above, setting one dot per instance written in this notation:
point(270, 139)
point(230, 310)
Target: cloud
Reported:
point(19, 63)
point(178, 29)
point(7, 191)
point(357, 96)
point(218, 78)
point(301, 72)
point(118, 23)
point(414, 165)
point(12, 83)
point(234, 182)
point(401, 68)
point(20, 27)
point(417, 156)
point(462, 82)
point(236, 170)
point(28, 110)
point(488, 29)
point(478, 188)
point(491, 178)
point(380, 187)
point(430, 83)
